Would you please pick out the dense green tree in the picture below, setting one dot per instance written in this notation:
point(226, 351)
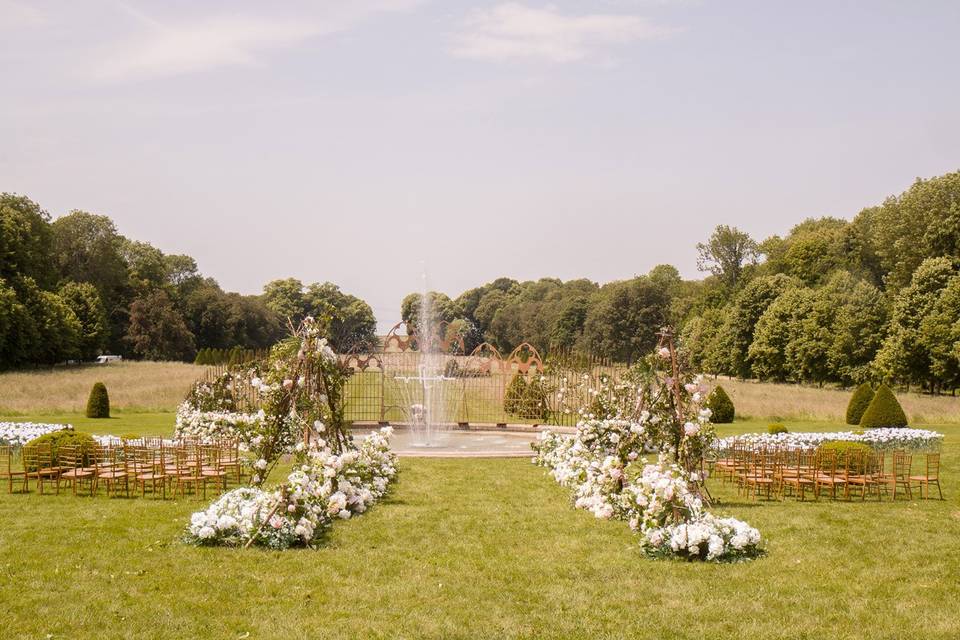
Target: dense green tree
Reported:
point(939, 336)
point(736, 334)
point(146, 266)
point(25, 241)
point(285, 298)
point(624, 320)
point(351, 323)
point(86, 248)
point(441, 308)
point(726, 253)
point(84, 300)
point(157, 331)
point(774, 352)
point(903, 356)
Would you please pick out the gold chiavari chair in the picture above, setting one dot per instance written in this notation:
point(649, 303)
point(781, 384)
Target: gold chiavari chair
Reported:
point(71, 460)
point(761, 478)
point(932, 476)
point(212, 469)
point(862, 474)
point(230, 459)
point(794, 474)
point(900, 477)
point(7, 471)
point(826, 476)
point(147, 468)
point(110, 470)
point(187, 471)
point(38, 463)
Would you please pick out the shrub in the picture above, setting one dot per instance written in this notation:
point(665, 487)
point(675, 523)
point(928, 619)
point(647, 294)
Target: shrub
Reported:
point(776, 427)
point(451, 369)
point(535, 400)
point(884, 411)
point(721, 406)
point(66, 437)
point(98, 404)
point(514, 395)
point(859, 402)
point(844, 449)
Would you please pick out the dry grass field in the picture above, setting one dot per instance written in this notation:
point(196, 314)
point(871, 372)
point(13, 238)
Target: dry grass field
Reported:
point(794, 402)
point(133, 386)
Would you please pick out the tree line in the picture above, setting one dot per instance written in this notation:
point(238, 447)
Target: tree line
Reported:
point(73, 287)
point(832, 301)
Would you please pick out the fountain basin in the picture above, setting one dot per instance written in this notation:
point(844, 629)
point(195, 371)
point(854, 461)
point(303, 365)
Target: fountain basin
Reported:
point(476, 441)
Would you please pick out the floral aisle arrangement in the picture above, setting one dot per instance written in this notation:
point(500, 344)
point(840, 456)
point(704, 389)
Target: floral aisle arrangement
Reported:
point(323, 486)
point(884, 439)
point(17, 434)
point(655, 409)
point(299, 391)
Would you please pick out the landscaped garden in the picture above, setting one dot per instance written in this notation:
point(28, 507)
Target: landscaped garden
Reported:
point(484, 547)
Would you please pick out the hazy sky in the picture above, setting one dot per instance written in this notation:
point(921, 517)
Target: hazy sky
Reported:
point(349, 141)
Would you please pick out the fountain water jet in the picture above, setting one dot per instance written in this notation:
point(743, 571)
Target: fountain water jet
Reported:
point(425, 394)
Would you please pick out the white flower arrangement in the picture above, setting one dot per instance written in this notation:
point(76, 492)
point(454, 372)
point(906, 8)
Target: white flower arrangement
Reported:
point(884, 439)
point(706, 537)
point(17, 434)
point(324, 487)
point(599, 464)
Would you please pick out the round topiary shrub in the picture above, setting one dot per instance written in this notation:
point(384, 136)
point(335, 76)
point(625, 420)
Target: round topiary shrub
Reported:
point(721, 406)
point(66, 437)
point(884, 411)
point(98, 404)
point(844, 450)
point(776, 428)
point(859, 402)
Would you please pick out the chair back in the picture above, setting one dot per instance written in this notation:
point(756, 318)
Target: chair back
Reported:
point(68, 456)
point(933, 466)
point(31, 460)
point(44, 456)
point(6, 458)
point(902, 464)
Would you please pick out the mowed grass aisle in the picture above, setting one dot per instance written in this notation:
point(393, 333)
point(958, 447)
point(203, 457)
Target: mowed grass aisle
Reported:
point(480, 549)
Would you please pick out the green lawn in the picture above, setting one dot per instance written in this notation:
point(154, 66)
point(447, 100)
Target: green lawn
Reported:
point(478, 548)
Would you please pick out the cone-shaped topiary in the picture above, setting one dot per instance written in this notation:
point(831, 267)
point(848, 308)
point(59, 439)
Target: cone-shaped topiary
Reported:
point(859, 402)
point(884, 411)
point(98, 404)
point(721, 406)
point(514, 395)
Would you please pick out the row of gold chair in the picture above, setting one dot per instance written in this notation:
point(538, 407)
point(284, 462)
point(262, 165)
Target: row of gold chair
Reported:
point(778, 473)
point(179, 466)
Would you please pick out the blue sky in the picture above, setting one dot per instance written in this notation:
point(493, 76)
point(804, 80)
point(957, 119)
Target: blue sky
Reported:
point(351, 141)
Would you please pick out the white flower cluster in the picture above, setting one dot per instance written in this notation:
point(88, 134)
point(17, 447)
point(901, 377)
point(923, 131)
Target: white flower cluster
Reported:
point(324, 487)
point(705, 538)
point(209, 426)
point(886, 439)
point(599, 465)
point(17, 434)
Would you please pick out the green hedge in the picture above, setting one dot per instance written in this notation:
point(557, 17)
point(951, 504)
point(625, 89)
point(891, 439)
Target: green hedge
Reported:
point(777, 428)
point(884, 411)
point(721, 406)
point(859, 402)
point(98, 404)
point(66, 437)
point(844, 449)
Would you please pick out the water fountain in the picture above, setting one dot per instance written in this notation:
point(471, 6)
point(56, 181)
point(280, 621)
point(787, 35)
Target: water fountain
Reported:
point(424, 395)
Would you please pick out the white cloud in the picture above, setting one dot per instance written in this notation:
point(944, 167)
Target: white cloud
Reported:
point(511, 30)
point(200, 46)
point(203, 43)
